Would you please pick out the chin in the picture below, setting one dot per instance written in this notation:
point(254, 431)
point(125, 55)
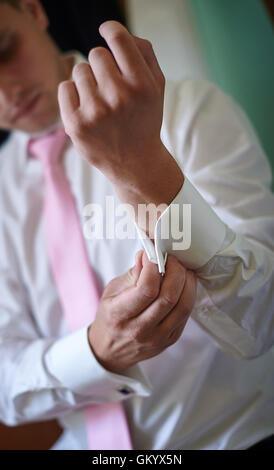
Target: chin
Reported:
point(39, 124)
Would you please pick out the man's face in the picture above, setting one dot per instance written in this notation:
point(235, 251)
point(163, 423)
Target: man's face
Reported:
point(31, 68)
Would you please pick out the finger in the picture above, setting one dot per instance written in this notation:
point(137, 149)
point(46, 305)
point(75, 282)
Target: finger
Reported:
point(148, 54)
point(125, 51)
point(135, 299)
point(68, 99)
point(178, 317)
point(170, 293)
point(105, 69)
point(85, 82)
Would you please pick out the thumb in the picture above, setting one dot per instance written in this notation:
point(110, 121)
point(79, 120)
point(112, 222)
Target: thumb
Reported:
point(135, 271)
point(127, 279)
point(131, 277)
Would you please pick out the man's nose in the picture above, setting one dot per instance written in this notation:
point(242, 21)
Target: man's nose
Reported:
point(10, 91)
point(11, 84)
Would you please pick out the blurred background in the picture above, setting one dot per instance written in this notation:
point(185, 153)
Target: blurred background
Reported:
point(228, 42)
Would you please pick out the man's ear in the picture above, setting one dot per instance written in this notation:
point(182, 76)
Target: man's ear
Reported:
point(36, 11)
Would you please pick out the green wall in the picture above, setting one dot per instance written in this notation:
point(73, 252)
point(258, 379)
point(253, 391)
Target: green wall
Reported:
point(238, 41)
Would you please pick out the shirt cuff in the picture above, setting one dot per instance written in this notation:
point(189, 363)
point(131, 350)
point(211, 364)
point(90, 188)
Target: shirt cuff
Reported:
point(72, 362)
point(188, 228)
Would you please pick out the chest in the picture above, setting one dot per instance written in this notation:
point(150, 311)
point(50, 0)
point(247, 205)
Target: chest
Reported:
point(110, 236)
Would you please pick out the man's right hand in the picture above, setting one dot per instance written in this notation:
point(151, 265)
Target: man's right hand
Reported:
point(142, 313)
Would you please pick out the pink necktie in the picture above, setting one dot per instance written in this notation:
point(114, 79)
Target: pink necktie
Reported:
point(106, 423)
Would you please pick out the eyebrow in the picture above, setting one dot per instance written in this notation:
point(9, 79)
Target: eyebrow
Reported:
point(4, 34)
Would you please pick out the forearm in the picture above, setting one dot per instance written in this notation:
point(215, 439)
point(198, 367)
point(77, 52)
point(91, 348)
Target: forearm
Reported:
point(45, 380)
point(235, 295)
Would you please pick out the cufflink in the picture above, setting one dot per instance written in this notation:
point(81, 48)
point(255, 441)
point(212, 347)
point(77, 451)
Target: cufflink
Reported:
point(124, 390)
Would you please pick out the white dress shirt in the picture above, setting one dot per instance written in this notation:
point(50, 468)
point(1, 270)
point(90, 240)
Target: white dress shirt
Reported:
point(212, 389)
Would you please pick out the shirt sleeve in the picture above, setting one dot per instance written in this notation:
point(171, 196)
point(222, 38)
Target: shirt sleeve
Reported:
point(43, 378)
point(227, 235)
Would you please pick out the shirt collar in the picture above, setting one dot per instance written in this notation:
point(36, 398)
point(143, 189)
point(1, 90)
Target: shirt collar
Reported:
point(25, 136)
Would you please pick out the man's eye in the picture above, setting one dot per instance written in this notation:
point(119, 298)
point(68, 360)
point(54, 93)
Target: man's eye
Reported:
point(9, 50)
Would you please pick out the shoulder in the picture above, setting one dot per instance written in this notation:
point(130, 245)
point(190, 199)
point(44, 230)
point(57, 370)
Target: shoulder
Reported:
point(188, 98)
point(189, 102)
point(190, 105)
point(199, 109)
point(189, 90)
point(184, 103)
point(12, 165)
point(12, 152)
point(11, 146)
point(205, 128)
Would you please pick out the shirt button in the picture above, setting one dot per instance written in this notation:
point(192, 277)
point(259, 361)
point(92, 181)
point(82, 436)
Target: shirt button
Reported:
point(124, 390)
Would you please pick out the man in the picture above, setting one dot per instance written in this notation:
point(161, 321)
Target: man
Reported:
point(192, 372)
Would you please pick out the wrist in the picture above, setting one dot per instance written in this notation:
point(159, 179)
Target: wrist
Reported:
point(109, 367)
point(156, 183)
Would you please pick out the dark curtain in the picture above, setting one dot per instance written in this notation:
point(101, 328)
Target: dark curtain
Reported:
point(74, 24)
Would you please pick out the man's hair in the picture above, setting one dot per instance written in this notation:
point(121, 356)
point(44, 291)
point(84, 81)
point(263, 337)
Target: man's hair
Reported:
point(13, 3)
